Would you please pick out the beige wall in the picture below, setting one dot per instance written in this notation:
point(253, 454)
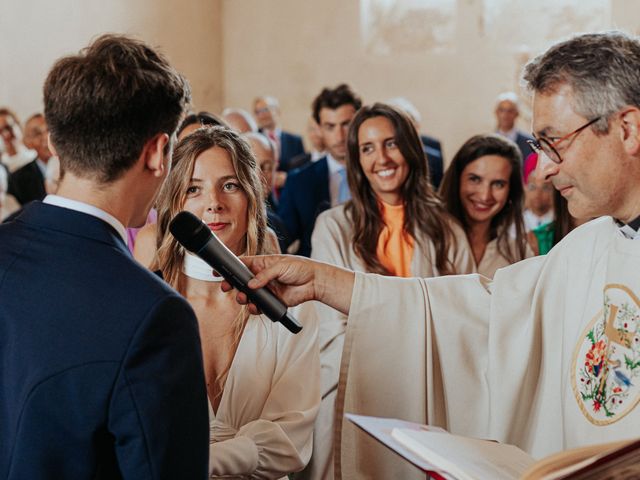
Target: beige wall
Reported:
point(317, 44)
point(450, 57)
point(33, 33)
point(451, 67)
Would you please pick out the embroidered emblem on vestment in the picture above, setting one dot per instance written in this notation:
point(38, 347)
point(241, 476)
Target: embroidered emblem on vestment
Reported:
point(606, 364)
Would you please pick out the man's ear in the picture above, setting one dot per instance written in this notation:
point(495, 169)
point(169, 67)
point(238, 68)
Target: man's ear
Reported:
point(630, 130)
point(52, 149)
point(153, 154)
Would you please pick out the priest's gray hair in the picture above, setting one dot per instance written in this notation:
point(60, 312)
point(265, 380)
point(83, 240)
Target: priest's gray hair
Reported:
point(603, 70)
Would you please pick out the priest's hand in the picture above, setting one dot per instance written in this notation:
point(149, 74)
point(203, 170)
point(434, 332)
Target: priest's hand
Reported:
point(297, 279)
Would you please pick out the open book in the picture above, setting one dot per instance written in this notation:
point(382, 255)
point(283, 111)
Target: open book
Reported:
point(453, 457)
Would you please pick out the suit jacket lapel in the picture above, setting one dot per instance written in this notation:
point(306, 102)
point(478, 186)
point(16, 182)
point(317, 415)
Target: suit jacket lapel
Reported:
point(322, 192)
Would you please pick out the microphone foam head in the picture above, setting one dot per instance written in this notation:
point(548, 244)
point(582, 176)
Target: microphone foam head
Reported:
point(190, 231)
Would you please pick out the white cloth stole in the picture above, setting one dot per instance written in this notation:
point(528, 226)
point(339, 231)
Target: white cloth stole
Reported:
point(195, 267)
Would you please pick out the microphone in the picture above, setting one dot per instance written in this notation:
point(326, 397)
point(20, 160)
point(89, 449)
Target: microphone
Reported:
point(194, 235)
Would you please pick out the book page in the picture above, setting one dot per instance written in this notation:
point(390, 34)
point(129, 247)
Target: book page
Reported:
point(381, 428)
point(594, 461)
point(466, 458)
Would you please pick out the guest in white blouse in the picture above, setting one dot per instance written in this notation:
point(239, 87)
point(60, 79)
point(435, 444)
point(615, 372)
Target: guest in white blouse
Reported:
point(262, 381)
point(483, 190)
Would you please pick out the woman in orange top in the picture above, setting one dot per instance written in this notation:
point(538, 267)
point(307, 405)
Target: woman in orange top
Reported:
point(394, 224)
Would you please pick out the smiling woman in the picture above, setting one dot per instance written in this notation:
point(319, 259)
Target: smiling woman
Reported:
point(262, 382)
point(394, 225)
point(483, 190)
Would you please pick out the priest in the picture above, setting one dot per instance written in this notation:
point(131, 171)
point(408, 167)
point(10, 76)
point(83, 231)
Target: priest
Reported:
point(545, 356)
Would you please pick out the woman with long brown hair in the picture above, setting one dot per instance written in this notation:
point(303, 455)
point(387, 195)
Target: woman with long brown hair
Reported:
point(394, 224)
point(262, 381)
point(483, 190)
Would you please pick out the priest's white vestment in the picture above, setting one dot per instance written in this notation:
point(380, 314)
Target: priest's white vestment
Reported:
point(332, 242)
point(546, 356)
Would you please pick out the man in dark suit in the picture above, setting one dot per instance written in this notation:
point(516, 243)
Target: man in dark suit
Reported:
point(434, 159)
point(100, 360)
point(265, 151)
point(431, 142)
point(317, 150)
point(27, 183)
point(320, 185)
point(267, 113)
point(507, 112)
point(13, 153)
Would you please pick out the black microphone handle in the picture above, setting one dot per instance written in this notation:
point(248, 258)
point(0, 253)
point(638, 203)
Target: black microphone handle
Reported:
point(216, 254)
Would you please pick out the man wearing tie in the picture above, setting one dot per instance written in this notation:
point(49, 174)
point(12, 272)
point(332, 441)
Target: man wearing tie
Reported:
point(322, 184)
point(267, 113)
point(507, 111)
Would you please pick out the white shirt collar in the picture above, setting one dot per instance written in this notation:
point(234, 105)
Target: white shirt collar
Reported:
point(629, 230)
point(276, 132)
point(82, 207)
point(315, 155)
point(4, 182)
point(20, 159)
point(511, 134)
point(42, 166)
point(333, 164)
point(531, 220)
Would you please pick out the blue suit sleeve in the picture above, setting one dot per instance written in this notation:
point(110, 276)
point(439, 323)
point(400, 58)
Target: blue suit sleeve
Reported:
point(158, 412)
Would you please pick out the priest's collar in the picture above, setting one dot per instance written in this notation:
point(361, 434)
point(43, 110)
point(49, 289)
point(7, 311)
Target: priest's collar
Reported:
point(630, 230)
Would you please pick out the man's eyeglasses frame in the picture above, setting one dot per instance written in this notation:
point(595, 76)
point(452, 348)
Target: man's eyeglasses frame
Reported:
point(549, 148)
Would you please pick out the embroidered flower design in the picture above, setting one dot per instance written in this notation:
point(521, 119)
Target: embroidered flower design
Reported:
point(606, 378)
point(596, 356)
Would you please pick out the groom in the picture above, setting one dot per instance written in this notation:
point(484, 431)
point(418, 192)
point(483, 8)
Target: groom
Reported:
point(100, 362)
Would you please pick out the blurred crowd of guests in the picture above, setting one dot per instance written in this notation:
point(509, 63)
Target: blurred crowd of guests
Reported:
point(502, 209)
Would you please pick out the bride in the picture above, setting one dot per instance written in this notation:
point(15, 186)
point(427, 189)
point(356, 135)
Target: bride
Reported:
point(262, 381)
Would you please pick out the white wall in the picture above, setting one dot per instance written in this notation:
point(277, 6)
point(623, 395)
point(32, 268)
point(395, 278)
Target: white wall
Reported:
point(451, 65)
point(34, 33)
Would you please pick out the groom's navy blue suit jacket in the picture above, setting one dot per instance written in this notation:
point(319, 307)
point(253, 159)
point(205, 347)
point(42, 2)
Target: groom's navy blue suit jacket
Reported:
point(100, 362)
